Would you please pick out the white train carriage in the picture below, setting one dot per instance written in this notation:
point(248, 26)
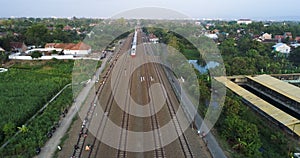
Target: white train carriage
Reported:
point(133, 47)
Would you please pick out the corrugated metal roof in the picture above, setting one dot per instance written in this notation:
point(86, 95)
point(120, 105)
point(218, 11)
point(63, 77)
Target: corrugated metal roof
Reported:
point(278, 86)
point(284, 118)
point(278, 45)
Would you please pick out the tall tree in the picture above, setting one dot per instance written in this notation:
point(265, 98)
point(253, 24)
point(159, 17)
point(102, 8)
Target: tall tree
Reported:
point(295, 56)
point(37, 34)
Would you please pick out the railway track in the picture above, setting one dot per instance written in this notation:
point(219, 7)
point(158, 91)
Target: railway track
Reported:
point(159, 151)
point(108, 107)
point(78, 148)
point(125, 123)
point(172, 110)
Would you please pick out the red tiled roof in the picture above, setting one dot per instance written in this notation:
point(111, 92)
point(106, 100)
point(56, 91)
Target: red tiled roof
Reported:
point(151, 36)
point(288, 34)
point(297, 38)
point(279, 37)
point(16, 45)
point(67, 27)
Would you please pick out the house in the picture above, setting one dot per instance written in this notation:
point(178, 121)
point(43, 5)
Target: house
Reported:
point(212, 36)
point(216, 31)
point(79, 49)
point(197, 23)
point(3, 34)
point(67, 28)
point(18, 47)
point(279, 38)
point(266, 36)
point(153, 38)
point(295, 45)
point(282, 48)
point(244, 21)
point(297, 39)
point(207, 26)
point(288, 35)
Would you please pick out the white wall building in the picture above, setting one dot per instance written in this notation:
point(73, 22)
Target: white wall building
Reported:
point(266, 36)
point(282, 48)
point(79, 49)
point(212, 36)
point(244, 21)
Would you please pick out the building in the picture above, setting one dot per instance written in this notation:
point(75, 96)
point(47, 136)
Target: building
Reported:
point(197, 23)
point(297, 39)
point(79, 49)
point(279, 38)
point(266, 36)
point(244, 21)
point(153, 38)
point(212, 36)
point(295, 45)
point(18, 47)
point(67, 28)
point(3, 34)
point(288, 35)
point(2, 50)
point(282, 48)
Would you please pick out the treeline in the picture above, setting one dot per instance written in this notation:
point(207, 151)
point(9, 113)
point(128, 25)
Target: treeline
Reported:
point(256, 28)
point(175, 40)
point(37, 31)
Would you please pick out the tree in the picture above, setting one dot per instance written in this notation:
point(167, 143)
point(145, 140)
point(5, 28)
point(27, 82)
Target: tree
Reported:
point(54, 52)
point(36, 54)
point(295, 56)
point(37, 34)
point(228, 47)
point(3, 57)
point(23, 129)
point(9, 129)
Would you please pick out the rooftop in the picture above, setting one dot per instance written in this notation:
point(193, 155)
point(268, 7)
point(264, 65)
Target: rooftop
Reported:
point(279, 44)
point(278, 86)
point(69, 46)
point(284, 118)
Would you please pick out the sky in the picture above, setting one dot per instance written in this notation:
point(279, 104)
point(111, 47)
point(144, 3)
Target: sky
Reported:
point(224, 9)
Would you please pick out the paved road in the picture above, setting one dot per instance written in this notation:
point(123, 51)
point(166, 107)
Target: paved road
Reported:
point(51, 145)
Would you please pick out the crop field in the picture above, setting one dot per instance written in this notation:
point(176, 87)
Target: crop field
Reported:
point(26, 87)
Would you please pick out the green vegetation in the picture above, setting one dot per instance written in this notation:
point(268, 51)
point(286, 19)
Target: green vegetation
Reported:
point(3, 57)
point(295, 56)
point(176, 41)
point(36, 54)
point(249, 134)
point(37, 132)
point(244, 132)
point(37, 31)
point(26, 87)
point(253, 57)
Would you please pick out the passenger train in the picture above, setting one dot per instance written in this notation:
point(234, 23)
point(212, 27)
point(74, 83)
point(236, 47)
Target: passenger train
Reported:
point(133, 46)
